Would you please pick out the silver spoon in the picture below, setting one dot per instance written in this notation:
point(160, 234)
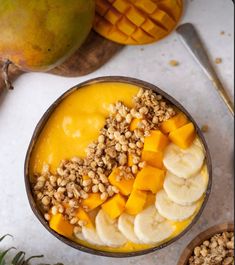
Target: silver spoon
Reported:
point(191, 40)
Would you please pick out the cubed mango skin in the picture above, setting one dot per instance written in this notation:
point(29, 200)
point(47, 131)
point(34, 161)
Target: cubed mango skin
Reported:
point(59, 224)
point(136, 201)
point(150, 179)
point(124, 185)
point(184, 136)
point(134, 124)
point(82, 215)
point(138, 20)
point(154, 159)
point(135, 13)
point(93, 201)
point(114, 206)
point(174, 123)
point(156, 142)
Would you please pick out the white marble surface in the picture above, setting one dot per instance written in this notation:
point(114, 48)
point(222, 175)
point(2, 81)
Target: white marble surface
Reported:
point(21, 109)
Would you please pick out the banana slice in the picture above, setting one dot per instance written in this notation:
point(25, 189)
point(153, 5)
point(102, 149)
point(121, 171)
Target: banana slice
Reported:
point(91, 236)
point(107, 230)
point(126, 226)
point(171, 210)
point(151, 228)
point(185, 191)
point(198, 142)
point(184, 163)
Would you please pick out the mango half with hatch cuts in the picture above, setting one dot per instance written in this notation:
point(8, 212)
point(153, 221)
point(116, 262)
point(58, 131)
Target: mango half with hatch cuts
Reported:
point(38, 35)
point(136, 21)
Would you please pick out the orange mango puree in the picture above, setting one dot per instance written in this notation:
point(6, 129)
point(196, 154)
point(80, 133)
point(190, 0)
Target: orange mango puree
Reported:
point(76, 123)
point(73, 125)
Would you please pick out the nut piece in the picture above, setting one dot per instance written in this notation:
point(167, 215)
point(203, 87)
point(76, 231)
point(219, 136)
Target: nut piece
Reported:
point(74, 220)
point(197, 251)
point(47, 216)
point(46, 200)
point(95, 188)
point(86, 182)
point(54, 210)
point(101, 187)
point(77, 229)
point(228, 261)
point(104, 196)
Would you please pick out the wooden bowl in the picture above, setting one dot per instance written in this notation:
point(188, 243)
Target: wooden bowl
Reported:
point(198, 240)
point(41, 125)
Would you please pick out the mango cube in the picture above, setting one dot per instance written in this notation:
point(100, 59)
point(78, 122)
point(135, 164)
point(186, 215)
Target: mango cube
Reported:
point(135, 16)
point(174, 123)
point(163, 18)
point(152, 28)
point(121, 5)
point(147, 6)
point(126, 26)
point(114, 206)
point(150, 200)
point(140, 35)
point(156, 142)
point(124, 185)
point(93, 201)
point(113, 16)
point(136, 202)
point(173, 8)
point(150, 179)
point(154, 159)
point(184, 136)
point(130, 160)
point(82, 215)
point(59, 224)
point(134, 124)
point(85, 177)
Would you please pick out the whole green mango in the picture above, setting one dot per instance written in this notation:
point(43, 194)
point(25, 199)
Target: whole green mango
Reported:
point(37, 35)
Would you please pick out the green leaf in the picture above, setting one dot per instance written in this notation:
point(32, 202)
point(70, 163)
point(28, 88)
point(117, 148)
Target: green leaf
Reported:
point(26, 262)
point(51, 264)
point(3, 254)
point(5, 236)
point(19, 258)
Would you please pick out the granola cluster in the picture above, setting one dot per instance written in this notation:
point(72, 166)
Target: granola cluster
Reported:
point(219, 250)
point(116, 145)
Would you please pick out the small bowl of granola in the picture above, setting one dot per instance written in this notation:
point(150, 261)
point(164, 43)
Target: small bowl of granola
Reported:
point(117, 167)
point(213, 246)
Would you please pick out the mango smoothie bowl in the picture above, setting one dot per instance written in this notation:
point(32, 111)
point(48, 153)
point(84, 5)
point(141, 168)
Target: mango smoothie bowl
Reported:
point(116, 167)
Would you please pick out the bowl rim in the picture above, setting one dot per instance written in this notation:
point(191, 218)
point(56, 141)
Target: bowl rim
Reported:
point(42, 122)
point(201, 237)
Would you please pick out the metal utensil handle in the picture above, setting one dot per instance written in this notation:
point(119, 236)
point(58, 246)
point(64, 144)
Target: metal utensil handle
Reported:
point(193, 43)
